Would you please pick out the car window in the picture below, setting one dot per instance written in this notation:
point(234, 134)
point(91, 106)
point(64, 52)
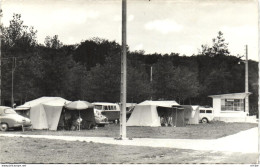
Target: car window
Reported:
point(9, 111)
point(209, 111)
point(202, 111)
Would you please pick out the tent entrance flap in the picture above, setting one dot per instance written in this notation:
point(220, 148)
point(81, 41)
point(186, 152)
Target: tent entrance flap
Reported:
point(53, 115)
point(171, 116)
point(191, 114)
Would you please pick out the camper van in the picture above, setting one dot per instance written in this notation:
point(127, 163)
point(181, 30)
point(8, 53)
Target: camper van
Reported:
point(110, 110)
point(206, 114)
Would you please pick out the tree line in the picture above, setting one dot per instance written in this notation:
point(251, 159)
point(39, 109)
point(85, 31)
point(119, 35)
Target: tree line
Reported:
point(90, 70)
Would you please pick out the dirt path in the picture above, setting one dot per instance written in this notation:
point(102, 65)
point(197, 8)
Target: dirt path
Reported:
point(243, 142)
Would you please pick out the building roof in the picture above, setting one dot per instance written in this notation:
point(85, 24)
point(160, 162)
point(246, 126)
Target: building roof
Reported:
point(232, 95)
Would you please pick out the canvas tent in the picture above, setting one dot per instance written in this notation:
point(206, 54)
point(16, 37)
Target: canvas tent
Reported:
point(144, 115)
point(76, 111)
point(191, 114)
point(150, 113)
point(45, 112)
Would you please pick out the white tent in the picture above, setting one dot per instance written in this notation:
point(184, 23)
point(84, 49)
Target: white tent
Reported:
point(45, 112)
point(191, 114)
point(146, 114)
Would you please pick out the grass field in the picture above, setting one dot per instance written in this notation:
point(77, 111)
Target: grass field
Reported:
point(211, 130)
point(28, 150)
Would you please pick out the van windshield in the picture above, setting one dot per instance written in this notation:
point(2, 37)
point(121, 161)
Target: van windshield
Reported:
point(9, 111)
point(99, 107)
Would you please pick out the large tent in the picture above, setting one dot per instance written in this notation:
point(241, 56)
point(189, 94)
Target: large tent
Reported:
point(150, 113)
point(191, 114)
point(45, 112)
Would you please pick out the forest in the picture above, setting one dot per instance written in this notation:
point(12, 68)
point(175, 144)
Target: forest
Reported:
point(90, 70)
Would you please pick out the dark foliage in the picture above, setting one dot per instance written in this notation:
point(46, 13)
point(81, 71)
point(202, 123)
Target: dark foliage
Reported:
point(91, 71)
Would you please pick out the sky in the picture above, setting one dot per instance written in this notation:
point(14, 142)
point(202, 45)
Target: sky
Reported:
point(161, 26)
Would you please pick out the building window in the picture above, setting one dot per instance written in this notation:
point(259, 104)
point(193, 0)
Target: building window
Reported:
point(232, 104)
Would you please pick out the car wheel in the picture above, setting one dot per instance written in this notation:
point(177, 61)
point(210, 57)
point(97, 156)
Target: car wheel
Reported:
point(204, 120)
point(4, 127)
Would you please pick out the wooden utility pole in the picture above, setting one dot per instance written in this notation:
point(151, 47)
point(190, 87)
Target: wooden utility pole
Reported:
point(13, 69)
point(151, 74)
point(246, 84)
point(151, 81)
point(0, 55)
point(123, 75)
point(258, 78)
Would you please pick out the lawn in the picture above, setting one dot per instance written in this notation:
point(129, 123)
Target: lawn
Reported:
point(211, 130)
point(28, 150)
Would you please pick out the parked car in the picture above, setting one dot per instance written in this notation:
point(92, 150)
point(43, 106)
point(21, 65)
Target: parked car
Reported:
point(100, 119)
point(206, 114)
point(10, 119)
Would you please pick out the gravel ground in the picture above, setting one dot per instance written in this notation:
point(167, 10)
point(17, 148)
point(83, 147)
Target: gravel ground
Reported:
point(42, 151)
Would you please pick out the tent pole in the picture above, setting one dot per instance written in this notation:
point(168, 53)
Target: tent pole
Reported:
point(183, 118)
point(176, 118)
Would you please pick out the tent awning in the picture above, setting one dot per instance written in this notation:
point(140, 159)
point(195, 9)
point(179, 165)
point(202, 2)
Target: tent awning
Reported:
point(22, 108)
point(168, 104)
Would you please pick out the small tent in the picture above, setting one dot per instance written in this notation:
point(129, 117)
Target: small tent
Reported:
point(78, 114)
point(150, 113)
point(191, 114)
point(144, 115)
point(45, 112)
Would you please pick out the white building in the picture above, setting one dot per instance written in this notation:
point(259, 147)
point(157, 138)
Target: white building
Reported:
point(231, 107)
